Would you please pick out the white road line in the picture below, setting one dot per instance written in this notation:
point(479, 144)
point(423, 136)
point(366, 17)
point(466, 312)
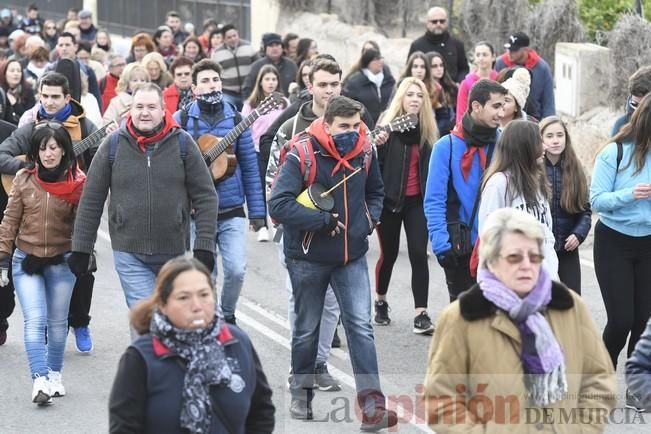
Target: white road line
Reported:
point(343, 377)
point(586, 262)
point(271, 316)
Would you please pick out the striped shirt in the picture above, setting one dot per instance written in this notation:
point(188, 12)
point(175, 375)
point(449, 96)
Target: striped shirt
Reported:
point(236, 65)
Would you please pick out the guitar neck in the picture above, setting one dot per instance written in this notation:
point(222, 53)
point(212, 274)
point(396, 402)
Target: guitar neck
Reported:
point(232, 135)
point(89, 141)
point(378, 130)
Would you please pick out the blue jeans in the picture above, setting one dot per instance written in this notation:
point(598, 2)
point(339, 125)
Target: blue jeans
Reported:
point(231, 246)
point(351, 286)
point(329, 318)
point(137, 277)
point(45, 299)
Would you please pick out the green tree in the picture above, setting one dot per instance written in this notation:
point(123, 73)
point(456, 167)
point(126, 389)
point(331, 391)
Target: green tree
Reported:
point(600, 16)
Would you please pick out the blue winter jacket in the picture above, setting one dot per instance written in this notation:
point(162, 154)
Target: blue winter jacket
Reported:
point(540, 102)
point(359, 205)
point(436, 192)
point(245, 183)
point(564, 223)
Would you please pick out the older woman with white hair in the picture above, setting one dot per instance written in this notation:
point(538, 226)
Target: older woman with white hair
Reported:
point(517, 351)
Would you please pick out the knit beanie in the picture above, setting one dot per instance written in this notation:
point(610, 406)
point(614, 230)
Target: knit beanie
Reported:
point(518, 86)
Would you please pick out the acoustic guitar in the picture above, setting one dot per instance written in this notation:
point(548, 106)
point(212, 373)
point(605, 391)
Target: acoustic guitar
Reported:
point(402, 123)
point(219, 151)
point(79, 147)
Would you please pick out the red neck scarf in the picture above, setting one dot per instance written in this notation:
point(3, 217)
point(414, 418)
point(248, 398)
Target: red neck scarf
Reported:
point(68, 190)
point(317, 130)
point(168, 124)
point(532, 60)
point(468, 156)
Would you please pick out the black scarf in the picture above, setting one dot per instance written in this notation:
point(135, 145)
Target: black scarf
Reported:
point(437, 39)
point(206, 365)
point(475, 134)
point(51, 175)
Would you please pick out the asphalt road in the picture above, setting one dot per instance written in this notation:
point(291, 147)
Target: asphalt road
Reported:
point(262, 312)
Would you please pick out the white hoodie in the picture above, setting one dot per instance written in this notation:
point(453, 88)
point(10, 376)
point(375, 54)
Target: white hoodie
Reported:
point(495, 197)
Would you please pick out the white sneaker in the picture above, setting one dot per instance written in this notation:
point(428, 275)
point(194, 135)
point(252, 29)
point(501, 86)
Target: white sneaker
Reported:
point(56, 386)
point(41, 391)
point(263, 235)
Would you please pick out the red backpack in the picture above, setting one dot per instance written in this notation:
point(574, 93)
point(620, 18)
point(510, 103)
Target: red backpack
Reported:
point(305, 148)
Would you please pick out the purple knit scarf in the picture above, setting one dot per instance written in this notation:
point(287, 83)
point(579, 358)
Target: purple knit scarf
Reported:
point(542, 357)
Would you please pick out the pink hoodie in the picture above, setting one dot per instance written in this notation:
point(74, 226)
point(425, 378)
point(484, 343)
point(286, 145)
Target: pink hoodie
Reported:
point(464, 92)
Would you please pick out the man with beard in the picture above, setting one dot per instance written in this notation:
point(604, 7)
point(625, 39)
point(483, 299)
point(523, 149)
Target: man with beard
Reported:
point(438, 38)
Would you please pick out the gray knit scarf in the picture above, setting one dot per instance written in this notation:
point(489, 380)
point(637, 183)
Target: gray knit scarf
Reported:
point(206, 365)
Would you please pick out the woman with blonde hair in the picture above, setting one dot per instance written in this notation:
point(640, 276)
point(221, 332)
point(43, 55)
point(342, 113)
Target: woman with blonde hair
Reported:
point(404, 163)
point(156, 67)
point(134, 75)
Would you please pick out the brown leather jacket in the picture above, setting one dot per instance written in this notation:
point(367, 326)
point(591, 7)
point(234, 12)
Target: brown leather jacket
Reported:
point(39, 222)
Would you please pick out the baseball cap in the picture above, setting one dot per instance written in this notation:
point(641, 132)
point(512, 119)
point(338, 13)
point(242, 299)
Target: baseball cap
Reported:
point(5, 13)
point(85, 13)
point(517, 41)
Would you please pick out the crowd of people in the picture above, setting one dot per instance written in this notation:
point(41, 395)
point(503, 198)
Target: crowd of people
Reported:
point(196, 138)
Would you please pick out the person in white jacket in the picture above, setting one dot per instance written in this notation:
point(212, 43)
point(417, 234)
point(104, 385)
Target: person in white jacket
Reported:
point(516, 179)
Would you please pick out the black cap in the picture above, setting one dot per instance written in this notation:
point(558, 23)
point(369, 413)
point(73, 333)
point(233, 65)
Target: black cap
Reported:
point(271, 38)
point(517, 41)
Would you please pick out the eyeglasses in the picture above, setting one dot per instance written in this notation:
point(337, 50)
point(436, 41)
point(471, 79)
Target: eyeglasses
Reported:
point(55, 125)
point(50, 27)
point(516, 258)
point(442, 21)
point(182, 74)
point(633, 104)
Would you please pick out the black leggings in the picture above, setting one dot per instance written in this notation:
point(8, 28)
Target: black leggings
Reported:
point(569, 269)
point(388, 232)
point(623, 267)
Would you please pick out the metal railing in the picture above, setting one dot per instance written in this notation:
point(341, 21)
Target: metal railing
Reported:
point(125, 17)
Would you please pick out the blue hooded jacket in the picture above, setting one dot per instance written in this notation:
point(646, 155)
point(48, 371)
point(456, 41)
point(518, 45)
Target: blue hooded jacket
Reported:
point(245, 184)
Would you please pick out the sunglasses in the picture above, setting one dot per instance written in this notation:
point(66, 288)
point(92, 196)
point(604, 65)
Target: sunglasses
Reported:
point(633, 104)
point(55, 125)
point(182, 74)
point(516, 258)
point(438, 21)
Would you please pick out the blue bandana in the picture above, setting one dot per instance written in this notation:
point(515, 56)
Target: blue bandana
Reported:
point(60, 116)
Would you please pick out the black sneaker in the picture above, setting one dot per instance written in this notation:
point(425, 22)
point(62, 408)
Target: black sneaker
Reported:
point(336, 342)
point(324, 380)
point(633, 402)
point(382, 313)
point(423, 324)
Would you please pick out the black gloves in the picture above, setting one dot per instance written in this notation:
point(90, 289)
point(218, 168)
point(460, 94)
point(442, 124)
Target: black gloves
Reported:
point(447, 259)
point(332, 223)
point(79, 263)
point(257, 224)
point(206, 258)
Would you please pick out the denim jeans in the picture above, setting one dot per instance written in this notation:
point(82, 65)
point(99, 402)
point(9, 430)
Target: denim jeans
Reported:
point(231, 246)
point(137, 277)
point(44, 299)
point(351, 286)
point(329, 318)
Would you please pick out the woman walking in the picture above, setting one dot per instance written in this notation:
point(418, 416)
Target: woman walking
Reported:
point(39, 218)
point(404, 162)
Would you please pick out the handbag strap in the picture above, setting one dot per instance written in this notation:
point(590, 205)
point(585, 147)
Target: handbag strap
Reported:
point(475, 206)
point(215, 408)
